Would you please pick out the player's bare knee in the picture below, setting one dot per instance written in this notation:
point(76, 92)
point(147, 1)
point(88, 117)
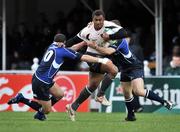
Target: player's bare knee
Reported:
point(127, 94)
point(113, 72)
point(61, 95)
point(47, 111)
point(138, 92)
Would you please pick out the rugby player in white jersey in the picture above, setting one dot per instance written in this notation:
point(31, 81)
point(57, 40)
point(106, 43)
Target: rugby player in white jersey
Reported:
point(95, 31)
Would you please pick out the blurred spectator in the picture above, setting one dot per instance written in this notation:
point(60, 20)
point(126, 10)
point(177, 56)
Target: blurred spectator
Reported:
point(22, 49)
point(59, 23)
point(175, 42)
point(24, 41)
point(176, 39)
point(134, 44)
point(174, 66)
point(149, 43)
point(70, 29)
point(79, 15)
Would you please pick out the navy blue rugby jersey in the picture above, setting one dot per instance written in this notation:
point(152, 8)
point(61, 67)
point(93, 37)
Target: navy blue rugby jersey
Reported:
point(52, 61)
point(123, 58)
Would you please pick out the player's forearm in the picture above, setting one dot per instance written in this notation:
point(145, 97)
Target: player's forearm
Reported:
point(105, 51)
point(89, 58)
point(78, 46)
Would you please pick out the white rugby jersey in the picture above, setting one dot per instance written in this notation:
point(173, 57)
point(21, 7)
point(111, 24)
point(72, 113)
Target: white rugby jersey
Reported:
point(90, 34)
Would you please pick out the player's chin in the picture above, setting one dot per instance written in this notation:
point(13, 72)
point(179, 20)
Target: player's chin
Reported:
point(98, 27)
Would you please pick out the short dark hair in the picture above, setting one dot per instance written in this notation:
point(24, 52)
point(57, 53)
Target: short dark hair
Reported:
point(98, 13)
point(59, 38)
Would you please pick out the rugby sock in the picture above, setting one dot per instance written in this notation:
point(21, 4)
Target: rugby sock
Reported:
point(136, 102)
point(130, 106)
point(106, 82)
point(151, 95)
point(85, 93)
point(33, 104)
point(53, 100)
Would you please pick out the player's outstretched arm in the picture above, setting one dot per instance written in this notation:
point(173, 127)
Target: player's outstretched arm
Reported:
point(103, 50)
point(89, 58)
point(78, 46)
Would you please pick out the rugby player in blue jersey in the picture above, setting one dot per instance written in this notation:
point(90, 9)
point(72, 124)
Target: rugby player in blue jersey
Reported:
point(132, 74)
point(45, 90)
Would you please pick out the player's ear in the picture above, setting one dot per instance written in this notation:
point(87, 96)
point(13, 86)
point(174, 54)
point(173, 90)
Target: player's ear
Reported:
point(64, 44)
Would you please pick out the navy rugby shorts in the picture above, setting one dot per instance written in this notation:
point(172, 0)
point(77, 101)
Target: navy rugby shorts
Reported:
point(127, 76)
point(41, 89)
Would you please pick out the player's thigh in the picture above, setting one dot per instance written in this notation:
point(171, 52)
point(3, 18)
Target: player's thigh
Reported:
point(127, 89)
point(110, 68)
point(46, 106)
point(95, 79)
point(138, 86)
point(56, 91)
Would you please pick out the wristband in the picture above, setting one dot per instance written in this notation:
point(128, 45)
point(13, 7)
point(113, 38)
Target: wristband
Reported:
point(103, 61)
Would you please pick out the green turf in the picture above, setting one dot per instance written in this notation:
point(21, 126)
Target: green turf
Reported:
point(89, 122)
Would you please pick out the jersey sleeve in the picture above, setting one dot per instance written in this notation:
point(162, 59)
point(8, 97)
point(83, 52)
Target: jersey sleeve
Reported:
point(111, 25)
point(122, 46)
point(83, 34)
point(70, 42)
point(71, 54)
point(115, 44)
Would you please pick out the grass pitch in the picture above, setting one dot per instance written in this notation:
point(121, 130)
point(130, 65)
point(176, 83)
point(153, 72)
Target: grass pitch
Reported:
point(89, 122)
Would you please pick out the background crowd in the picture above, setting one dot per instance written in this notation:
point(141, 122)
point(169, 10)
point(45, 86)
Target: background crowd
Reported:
point(23, 44)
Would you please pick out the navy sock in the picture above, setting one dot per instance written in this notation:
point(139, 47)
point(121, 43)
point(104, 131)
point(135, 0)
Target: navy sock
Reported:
point(130, 106)
point(152, 96)
point(54, 100)
point(106, 82)
point(33, 104)
point(136, 102)
point(85, 93)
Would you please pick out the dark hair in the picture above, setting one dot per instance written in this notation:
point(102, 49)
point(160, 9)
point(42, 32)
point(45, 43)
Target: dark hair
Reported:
point(98, 13)
point(176, 50)
point(59, 38)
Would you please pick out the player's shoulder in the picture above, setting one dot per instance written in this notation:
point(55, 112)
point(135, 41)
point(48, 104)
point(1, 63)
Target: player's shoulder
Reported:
point(89, 27)
point(86, 30)
point(111, 24)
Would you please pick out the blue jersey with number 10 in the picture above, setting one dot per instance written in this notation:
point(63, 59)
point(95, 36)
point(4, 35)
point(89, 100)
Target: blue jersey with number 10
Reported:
point(52, 60)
